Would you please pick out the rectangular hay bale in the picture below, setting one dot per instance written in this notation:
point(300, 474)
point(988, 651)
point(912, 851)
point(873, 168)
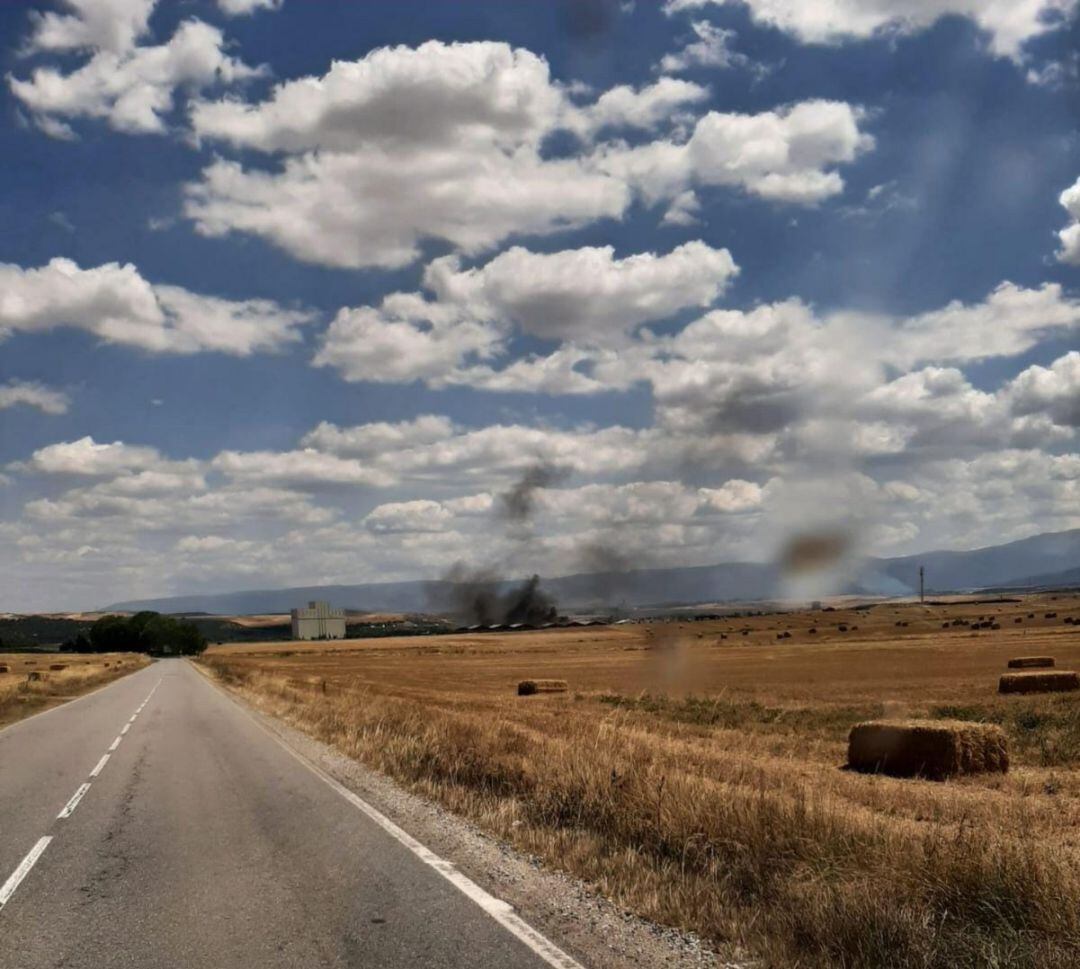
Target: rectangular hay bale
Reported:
point(57, 666)
point(1048, 681)
point(935, 749)
point(1031, 662)
point(529, 687)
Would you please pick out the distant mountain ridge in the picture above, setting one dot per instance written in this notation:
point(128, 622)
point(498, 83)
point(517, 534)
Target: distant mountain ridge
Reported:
point(1041, 560)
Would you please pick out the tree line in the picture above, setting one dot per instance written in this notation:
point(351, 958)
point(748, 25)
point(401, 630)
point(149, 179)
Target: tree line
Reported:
point(145, 632)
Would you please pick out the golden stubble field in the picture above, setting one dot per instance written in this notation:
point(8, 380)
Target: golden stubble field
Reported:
point(693, 772)
point(29, 684)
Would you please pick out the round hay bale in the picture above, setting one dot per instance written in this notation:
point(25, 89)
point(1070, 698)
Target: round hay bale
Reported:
point(4, 669)
point(530, 687)
point(934, 749)
point(1049, 681)
point(1031, 662)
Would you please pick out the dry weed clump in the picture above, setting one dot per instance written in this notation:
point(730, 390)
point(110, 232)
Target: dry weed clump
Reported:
point(725, 821)
point(936, 749)
point(1056, 681)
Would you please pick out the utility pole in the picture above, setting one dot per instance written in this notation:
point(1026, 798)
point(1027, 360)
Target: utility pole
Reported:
point(922, 584)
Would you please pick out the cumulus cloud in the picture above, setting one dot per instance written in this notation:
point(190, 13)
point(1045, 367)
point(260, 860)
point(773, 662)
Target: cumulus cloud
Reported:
point(33, 394)
point(1011, 320)
point(432, 448)
point(1070, 235)
point(130, 87)
point(1053, 391)
point(643, 108)
point(115, 303)
point(445, 141)
point(242, 8)
point(1009, 24)
point(112, 25)
point(712, 48)
point(441, 141)
point(586, 295)
point(787, 155)
point(85, 457)
point(269, 514)
point(301, 469)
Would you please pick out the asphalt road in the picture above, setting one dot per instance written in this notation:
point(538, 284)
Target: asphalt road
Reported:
point(203, 842)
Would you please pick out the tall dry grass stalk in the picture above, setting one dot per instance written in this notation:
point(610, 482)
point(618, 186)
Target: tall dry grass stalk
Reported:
point(725, 825)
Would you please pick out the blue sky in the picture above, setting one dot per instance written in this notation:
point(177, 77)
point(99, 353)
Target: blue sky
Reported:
point(293, 292)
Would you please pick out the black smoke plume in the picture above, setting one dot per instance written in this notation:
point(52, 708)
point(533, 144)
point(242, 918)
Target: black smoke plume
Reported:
point(481, 596)
point(518, 503)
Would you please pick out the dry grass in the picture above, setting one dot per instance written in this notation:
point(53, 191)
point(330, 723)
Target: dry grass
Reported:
point(21, 696)
point(696, 779)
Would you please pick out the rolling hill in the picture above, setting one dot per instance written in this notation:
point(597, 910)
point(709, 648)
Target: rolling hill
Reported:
point(1041, 560)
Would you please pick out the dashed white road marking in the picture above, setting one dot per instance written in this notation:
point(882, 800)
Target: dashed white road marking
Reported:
point(17, 876)
point(74, 802)
point(8, 888)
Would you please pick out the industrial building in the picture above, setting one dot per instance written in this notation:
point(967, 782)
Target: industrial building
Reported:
point(318, 621)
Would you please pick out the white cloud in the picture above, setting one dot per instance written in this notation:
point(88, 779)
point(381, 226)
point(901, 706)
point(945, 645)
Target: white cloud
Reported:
point(371, 440)
point(1011, 320)
point(409, 516)
point(1053, 390)
point(128, 86)
point(481, 95)
point(113, 25)
point(442, 141)
point(432, 448)
point(299, 469)
point(786, 155)
point(33, 394)
point(116, 304)
point(1010, 23)
point(445, 142)
point(587, 295)
point(711, 49)
point(242, 8)
point(683, 210)
point(88, 458)
point(645, 108)
point(1070, 235)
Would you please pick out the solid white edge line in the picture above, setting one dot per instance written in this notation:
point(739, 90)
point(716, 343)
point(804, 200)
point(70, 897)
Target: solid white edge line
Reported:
point(69, 808)
point(8, 888)
point(100, 766)
point(502, 912)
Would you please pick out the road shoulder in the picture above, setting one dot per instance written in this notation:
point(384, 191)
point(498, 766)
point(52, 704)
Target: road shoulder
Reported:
point(558, 905)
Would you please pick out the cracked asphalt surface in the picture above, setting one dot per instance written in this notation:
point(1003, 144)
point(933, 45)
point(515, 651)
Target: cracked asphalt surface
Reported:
point(204, 843)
